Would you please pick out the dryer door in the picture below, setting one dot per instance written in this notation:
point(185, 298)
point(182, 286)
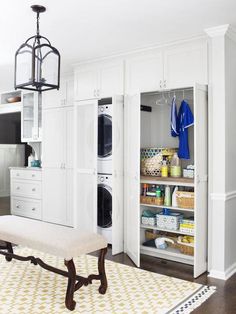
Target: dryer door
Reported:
point(104, 136)
point(104, 206)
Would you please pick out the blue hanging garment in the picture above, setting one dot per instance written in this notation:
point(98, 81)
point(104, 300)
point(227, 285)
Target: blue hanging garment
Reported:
point(185, 120)
point(173, 118)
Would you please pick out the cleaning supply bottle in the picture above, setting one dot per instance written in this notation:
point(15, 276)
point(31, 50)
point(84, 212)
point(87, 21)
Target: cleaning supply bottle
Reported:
point(167, 200)
point(158, 192)
point(174, 200)
point(164, 169)
point(145, 189)
point(30, 160)
point(175, 168)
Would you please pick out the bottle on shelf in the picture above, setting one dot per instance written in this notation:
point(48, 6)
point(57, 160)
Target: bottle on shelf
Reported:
point(152, 191)
point(167, 199)
point(158, 192)
point(174, 200)
point(145, 189)
point(175, 168)
point(164, 169)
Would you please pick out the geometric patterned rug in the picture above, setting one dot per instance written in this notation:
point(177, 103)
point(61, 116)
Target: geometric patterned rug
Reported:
point(29, 289)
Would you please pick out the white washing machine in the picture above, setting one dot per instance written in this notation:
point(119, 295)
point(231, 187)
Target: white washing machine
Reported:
point(104, 206)
point(105, 135)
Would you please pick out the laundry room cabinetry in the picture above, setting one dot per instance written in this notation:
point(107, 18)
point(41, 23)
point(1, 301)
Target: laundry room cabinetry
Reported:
point(99, 80)
point(63, 97)
point(86, 168)
point(152, 130)
point(168, 67)
point(57, 165)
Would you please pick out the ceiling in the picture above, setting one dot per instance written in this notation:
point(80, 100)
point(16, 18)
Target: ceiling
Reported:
point(86, 29)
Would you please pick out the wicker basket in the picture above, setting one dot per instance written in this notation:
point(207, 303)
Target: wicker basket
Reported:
point(149, 235)
point(151, 200)
point(185, 248)
point(151, 160)
point(185, 199)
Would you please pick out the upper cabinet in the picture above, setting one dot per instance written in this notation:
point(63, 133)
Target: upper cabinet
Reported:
point(144, 72)
point(60, 98)
point(99, 80)
point(31, 117)
point(170, 67)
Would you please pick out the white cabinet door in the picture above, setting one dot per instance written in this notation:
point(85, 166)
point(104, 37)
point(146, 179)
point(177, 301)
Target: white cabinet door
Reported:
point(111, 79)
point(53, 138)
point(185, 64)
point(86, 165)
point(54, 195)
point(144, 72)
point(69, 137)
point(201, 192)
point(132, 176)
point(55, 98)
point(86, 83)
point(118, 177)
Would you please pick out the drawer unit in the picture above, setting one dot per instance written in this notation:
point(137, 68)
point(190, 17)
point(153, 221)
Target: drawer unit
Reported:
point(29, 189)
point(26, 192)
point(26, 174)
point(26, 207)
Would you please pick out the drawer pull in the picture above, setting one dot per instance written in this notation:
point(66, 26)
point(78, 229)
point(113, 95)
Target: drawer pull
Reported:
point(17, 206)
point(33, 190)
point(33, 209)
point(18, 188)
point(33, 175)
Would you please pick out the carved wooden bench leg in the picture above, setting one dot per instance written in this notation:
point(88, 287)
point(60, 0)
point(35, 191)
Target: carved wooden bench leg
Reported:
point(70, 303)
point(102, 273)
point(9, 250)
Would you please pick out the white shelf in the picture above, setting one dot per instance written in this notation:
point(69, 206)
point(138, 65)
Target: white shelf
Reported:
point(167, 181)
point(166, 230)
point(169, 253)
point(10, 108)
point(169, 207)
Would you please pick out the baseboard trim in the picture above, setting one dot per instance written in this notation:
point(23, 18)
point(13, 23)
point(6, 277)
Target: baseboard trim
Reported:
point(223, 275)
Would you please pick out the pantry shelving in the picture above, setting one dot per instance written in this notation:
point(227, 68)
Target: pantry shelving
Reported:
point(152, 130)
point(165, 230)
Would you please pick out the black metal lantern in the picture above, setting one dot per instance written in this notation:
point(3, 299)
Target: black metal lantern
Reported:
point(37, 62)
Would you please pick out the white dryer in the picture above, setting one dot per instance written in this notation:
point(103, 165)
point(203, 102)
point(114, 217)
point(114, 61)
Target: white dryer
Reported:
point(104, 206)
point(105, 135)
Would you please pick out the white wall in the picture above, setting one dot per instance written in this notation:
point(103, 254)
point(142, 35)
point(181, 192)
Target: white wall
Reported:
point(6, 77)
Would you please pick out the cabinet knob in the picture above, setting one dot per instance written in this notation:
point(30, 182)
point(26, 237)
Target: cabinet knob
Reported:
point(33, 209)
point(33, 190)
point(164, 83)
point(98, 92)
point(33, 175)
point(18, 188)
point(17, 206)
point(160, 84)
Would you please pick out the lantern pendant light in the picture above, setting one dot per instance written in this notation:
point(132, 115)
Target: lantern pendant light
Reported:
point(37, 62)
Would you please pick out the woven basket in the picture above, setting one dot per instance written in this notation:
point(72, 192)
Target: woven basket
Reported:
point(185, 248)
point(149, 235)
point(185, 199)
point(151, 200)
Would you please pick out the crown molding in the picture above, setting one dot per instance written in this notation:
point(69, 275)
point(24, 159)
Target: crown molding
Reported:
point(225, 30)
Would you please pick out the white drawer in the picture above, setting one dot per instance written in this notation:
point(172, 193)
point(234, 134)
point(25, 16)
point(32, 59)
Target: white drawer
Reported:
point(26, 208)
point(32, 189)
point(26, 174)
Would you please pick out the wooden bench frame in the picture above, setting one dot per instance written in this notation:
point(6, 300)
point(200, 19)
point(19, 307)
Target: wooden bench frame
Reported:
point(75, 282)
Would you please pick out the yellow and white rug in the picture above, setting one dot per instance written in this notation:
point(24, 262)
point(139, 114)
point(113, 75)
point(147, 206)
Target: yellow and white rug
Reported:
point(28, 289)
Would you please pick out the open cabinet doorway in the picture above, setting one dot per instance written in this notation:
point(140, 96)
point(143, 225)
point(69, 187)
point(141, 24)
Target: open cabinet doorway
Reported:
point(13, 153)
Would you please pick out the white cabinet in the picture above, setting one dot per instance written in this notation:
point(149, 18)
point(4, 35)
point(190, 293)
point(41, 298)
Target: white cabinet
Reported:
point(85, 170)
point(31, 117)
point(99, 80)
point(144, 72)
point(26, 192)
point(174, 66)
point(143, 127)
point(62, 97)
point(57, 163)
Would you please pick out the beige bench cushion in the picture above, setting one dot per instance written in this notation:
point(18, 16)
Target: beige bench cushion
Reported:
point(49, 238)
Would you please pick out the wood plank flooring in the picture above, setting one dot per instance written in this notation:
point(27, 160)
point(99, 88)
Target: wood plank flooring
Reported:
point(221, 302)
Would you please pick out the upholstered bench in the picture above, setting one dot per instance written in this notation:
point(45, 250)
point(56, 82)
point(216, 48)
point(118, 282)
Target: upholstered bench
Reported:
point(56, 240)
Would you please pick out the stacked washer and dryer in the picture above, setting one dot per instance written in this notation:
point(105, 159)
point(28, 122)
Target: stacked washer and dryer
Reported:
point(104, 210)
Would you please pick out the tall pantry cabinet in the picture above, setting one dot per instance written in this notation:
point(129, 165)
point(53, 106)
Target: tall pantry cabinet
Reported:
point(152, 129)
point(57, 155)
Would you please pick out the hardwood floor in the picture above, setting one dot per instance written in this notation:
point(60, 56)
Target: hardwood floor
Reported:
point(221, 302)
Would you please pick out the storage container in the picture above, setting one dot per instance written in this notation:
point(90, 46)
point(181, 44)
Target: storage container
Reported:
point(151, 200)
point(185, 248)
point(185, 199)
point(149, 221)
point(168, 222)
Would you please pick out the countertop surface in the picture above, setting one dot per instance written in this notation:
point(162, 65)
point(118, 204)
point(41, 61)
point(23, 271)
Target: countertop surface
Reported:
point(26, 168)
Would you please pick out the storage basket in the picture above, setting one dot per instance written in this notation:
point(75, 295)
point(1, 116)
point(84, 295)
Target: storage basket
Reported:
point(151, 200)
point(150, 221)
point(185, 199)
point(185, 248)
point(149, 235)
point(168, 222)
point(151, 160)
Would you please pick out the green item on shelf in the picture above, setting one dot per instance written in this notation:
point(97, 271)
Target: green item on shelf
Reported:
point(148, 213)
